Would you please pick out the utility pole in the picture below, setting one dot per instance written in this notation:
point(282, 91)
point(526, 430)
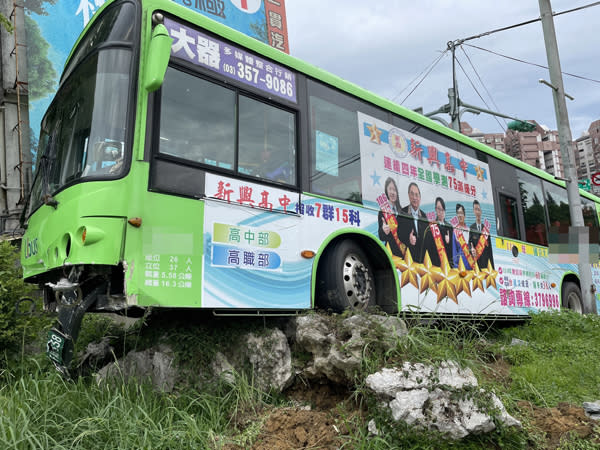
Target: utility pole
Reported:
point(567, 154)
point(453, 98)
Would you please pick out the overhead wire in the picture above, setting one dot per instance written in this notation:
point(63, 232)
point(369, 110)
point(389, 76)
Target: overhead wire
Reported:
point(428, 68)
point(530, 63)
point(483, 84)
point(527, 22)
point(475, 88)
point(461, 42)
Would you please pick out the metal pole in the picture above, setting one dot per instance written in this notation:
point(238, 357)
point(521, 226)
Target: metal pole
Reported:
point(566, 150)
point(454, 102)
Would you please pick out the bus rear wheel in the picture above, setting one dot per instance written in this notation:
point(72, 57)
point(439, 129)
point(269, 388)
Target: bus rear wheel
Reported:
point(572, 298)
point(346, 278)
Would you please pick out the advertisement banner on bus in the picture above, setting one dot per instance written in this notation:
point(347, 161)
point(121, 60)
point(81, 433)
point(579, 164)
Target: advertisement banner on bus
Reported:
point(436, 218)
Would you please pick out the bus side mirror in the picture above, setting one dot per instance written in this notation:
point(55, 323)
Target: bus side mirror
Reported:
point(158, 57)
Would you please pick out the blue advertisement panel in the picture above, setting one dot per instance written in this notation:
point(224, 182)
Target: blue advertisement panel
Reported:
point(53, 29)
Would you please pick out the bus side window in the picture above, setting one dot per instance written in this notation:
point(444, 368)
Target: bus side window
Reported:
point(509, 217)
point(335, 151)
point(534, 208)
point(557, 204)
point(590, 217)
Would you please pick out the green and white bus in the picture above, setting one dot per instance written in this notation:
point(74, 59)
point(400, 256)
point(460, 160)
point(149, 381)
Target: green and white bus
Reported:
point(185, 165)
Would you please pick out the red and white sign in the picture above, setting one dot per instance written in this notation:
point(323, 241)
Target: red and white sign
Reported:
point(248, 6)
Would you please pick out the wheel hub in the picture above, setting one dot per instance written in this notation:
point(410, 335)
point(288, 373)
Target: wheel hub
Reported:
point(358, 282)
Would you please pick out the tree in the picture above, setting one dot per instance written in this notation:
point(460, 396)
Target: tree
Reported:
point(42, 76)
point(260, 31)
point(6, 23)
point(37, 6)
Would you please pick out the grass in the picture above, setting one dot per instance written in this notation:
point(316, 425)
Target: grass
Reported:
point(560, 362)
point(39, 409)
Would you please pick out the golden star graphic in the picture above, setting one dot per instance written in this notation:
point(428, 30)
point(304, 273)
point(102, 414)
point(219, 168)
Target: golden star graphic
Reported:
point(479, 172)
point(446, 287)
point(490, 276)
point(408, 269)
point(462, 282)
point(430, 275)
point(375, 133)
point(478, 279)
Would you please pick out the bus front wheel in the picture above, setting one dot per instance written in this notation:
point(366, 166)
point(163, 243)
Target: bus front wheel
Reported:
point(346, 278)
point(572, 298)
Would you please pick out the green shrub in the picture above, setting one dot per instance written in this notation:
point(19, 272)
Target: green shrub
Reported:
point(20, 320)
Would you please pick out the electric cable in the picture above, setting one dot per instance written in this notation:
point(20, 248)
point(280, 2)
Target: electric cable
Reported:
point(431, 66)
point(530, 63)
point(527, 22)
point(483, 84)
point(475, 88)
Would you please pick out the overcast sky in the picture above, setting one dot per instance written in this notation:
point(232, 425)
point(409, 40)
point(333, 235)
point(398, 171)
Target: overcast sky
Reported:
point(384, 45)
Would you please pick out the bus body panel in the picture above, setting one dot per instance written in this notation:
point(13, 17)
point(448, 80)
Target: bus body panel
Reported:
point(163, 256)
point(56, 234)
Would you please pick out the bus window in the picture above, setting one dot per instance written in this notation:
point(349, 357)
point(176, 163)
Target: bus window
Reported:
point(197, 120)
point(590, 216)
point(533, 205)
point(557, 204)
point(335, 151)
point(267, 141)
point(509, 217)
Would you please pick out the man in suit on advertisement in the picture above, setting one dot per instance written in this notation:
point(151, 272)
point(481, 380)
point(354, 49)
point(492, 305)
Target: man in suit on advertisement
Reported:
point(479, 239)
point(413, 223)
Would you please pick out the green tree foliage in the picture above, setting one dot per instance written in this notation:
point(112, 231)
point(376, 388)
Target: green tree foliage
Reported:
point(37, 6)
point(6, 23)
point(42, 76)
point(16, 322)
point(260, 31)
point(518, 125)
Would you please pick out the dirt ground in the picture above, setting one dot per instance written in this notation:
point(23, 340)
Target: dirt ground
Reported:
point(557, 423)
point(320, 425)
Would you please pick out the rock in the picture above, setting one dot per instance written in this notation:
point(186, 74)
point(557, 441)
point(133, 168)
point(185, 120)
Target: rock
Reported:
point(336, 350)
point(222, 368)
point(372, 428)
point(452, 376)
point(154, 364)
point(438, 399)
point(518, 342)
point(388, 381)
point(505, 418)
point(271, 359)
point(268, 354)
point(96, 353)
point(408, 406)
point(592, 409)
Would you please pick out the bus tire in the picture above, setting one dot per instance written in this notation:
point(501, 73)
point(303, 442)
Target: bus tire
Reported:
point(572, 298)
point(347, 278)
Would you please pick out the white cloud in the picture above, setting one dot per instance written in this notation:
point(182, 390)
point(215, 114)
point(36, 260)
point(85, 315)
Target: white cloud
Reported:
point(383, 45)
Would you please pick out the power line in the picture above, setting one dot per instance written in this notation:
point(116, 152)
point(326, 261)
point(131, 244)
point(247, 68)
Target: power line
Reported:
point(424, 76)
point(531, 63)
point(430, 67)
point(482, 83)
point(527, 22)
point(475, 88)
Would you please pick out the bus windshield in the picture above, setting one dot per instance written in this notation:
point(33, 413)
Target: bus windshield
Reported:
point(83, 132)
